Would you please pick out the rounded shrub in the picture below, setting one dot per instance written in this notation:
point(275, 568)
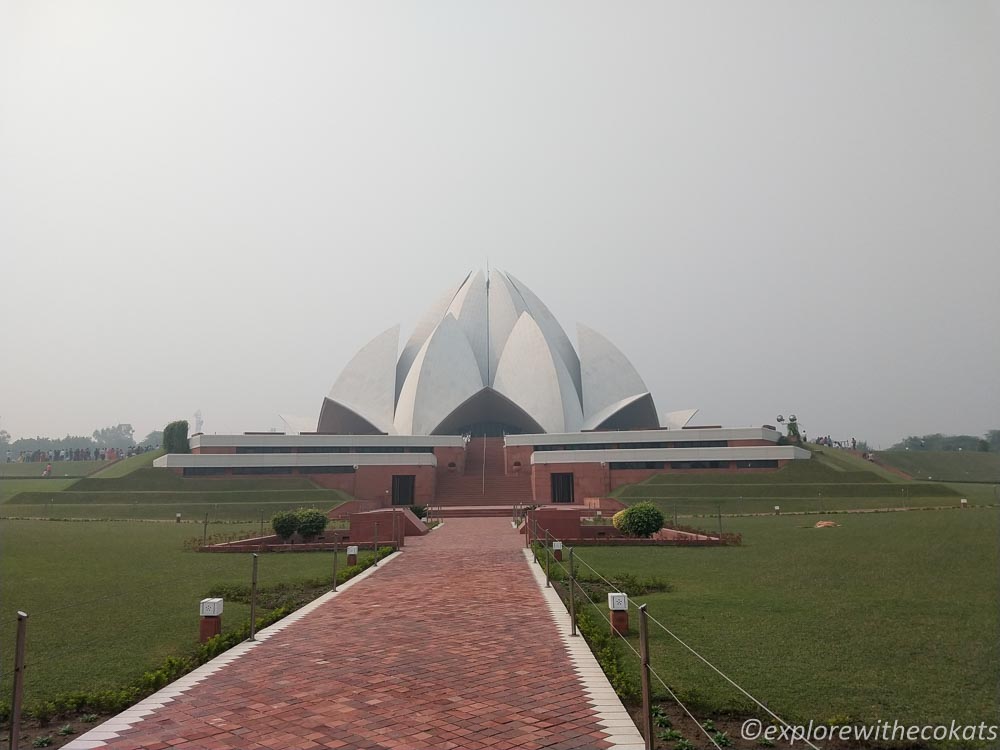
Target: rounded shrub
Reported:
point(641, 520)
point(312, 522)
point(285, 524)
point(616, 519)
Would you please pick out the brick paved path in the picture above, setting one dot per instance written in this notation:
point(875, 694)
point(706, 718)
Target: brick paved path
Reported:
point(449, 646)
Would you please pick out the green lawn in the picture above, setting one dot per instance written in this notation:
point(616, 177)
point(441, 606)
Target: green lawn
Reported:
point(889, 616)
point(831, 481)
point(226, 505)
point(11, 487)
point(217, 511)
point(948, 466)
point(149, 479)
point(59, 468)
point(109, 600)
point(127, 466)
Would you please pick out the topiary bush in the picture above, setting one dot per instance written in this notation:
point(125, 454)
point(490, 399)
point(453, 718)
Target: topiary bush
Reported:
point(640, 520)
point(312, 522)
point(285, 524)
point(617, 518)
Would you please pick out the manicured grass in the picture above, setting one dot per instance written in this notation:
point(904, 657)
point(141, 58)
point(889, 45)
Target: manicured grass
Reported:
point(148, 479)
point(71, 497)
point(225, 511)
point(11, 487)
point(889, 616)
point(59, 468)
point(842, 460)
point(128, 465)
point(948, 466)
point(109, 600)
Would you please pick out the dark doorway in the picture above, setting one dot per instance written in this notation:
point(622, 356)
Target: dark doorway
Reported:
point(562, 488)
point(403, 489)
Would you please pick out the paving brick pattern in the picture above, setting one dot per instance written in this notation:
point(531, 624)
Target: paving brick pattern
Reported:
point(451, 646)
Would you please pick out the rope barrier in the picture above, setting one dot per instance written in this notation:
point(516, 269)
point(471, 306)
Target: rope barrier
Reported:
point(665, 629)
point(683, 707)
point(725, 677)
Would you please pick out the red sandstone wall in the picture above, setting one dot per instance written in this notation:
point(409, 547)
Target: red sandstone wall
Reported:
point(517, 453)
point(219, 450)
point(445, 456)
point(746, 443)
point(375, 482)
point(589, 480)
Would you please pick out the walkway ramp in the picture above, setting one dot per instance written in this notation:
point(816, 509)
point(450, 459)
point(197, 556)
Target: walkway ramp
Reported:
point(448, 644)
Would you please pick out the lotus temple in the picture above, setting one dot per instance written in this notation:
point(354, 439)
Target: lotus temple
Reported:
point(487, 403)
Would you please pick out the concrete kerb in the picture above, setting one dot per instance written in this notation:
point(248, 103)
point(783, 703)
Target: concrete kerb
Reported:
point(613, 719)
point(136, 714)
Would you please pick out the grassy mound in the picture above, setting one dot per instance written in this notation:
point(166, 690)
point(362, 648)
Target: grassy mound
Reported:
point(945, 466)
point(128, 465)
point(163, 480)
point(60, 469)
point(72, 497)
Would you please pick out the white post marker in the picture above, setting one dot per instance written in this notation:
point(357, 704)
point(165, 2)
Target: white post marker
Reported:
point(618, 605)
point(557, 549)
point(965, 502)
point(352, 554)
point(777, 509)
point(211, 619)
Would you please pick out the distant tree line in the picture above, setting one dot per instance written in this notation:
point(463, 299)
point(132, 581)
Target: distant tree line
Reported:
point(119, 437)
point(938, 442)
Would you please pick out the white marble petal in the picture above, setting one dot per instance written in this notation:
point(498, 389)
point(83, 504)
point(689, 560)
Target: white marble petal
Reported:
point(554, 332)
point(444, 374)
point(608, 377)
point(535, 378)
point(367, 386)
point(425, 326)
point(677, 420)
point(469, 309)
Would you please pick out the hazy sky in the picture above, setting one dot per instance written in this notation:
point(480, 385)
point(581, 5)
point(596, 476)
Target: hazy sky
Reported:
point(769, 207)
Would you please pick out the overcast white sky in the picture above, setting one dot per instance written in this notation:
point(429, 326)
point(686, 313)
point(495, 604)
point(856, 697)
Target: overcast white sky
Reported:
point(768, 206)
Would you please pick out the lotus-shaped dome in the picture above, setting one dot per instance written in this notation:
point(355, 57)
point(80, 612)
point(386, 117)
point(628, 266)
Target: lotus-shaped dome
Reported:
point(487, 357)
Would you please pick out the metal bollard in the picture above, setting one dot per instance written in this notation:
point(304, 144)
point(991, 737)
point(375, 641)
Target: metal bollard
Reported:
point(253, 601)
point(18, 697)
point(647, 694)
point(572, 595)
point(336, 544)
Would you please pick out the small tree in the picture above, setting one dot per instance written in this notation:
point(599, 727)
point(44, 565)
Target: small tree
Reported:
point(175, 437)
point(641, 520)
point(285, 524)
point(311, 522)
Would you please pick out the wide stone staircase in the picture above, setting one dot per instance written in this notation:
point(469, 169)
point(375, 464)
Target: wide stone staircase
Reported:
point(478, 493)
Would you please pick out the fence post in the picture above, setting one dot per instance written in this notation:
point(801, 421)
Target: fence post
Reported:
point(376, 543)
point(253, 601)
point(545, 545)
point(572, 595)
point(647, 698)
point(18, 697)
point(336, 544)
point(204, 533)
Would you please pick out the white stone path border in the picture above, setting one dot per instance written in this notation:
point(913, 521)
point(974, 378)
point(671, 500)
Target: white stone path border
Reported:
point(613, 720)
point(113, 727)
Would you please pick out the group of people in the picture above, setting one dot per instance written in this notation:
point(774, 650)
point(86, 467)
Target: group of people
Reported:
point(78, 454)
point(852, 444)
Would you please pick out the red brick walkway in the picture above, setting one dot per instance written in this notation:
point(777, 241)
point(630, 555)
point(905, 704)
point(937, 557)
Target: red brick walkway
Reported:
point(450, 646)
